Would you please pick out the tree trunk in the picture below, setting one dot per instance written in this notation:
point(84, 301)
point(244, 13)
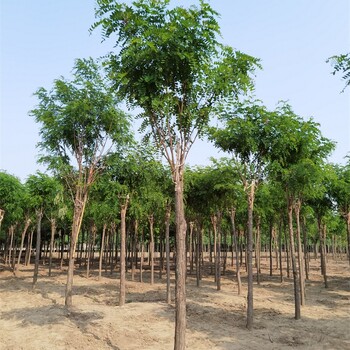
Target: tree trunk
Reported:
point(101, 251)
point(348, 233)
point(151, 246)
point(250, 198)
point(52, 238)
point(28, 221)
point(271, 245)
point(257, 250)
point(306, 253)
point(297, 207)
point(292, 255)
point(235, 244)
point(218, 252)
point(167, 251)
point(79, 208)
point(322, 233)
point(39, 215)
point(180, 269)
point(124, 207)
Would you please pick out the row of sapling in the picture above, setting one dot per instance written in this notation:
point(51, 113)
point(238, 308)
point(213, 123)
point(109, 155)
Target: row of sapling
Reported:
point(170, 64)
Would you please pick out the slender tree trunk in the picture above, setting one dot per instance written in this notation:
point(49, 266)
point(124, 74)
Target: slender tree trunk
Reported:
point(322, 233)
point(280, 251)
point(124, 207)
point(52, 238)
point(306, 253)
point(101, 251)
point(250, 309)
point(257, 250)
point(297, 207)
point(151, 246)
point(218, 252)
point(167, 251)
point(294, 266)
point(11, 235)
point(39, 215)
point(235, 244)
point(270, 245)
point(191, 247)
point(180, 268)
point(79, 208)
point(348, 233)
point(28, 221)
point(134, 250)
point(142, 257)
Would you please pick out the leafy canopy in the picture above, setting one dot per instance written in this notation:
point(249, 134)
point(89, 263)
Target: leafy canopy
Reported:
point(171, 65)
point(79, 118)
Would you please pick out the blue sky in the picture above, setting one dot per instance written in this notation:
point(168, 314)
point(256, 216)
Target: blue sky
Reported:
point(40, 39)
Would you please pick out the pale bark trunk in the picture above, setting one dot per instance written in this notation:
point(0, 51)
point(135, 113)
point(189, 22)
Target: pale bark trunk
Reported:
point(167, 251)
point(180, 268)
point(294, 267)
point(322, 235)
point(39, 215)
point(53, 232)
point(258, 250)
point(297, 208)
point(101, 251)
point(348, 233)
point(151, 246)
point(28, 221)
point(122, 252)
point(249, 250)
point(235, 244)
point(79, 208)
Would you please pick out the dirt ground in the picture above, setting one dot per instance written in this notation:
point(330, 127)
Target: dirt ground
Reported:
point(215, 319)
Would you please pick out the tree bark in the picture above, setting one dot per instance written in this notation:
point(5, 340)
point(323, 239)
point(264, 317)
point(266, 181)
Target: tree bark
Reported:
point(52, 238)
point(322, 233)
point(151, 246)
point(79, 208)
point(180, 268)
point(292, 255)
point(101, 251)
point(250, 195)
point(124, 207)
point(167, 251)
point(28, 221)
point(39, 215)
point(235, 244)
point(297, 207)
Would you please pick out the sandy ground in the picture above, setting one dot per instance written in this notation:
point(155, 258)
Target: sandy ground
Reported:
point(215, 319)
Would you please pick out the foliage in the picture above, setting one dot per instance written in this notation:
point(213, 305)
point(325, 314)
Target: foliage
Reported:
point(79, 120)
point(341, 63)
point(171, 65)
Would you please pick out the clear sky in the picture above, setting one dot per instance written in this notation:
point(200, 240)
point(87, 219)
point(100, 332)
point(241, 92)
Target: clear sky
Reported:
point(40, 39)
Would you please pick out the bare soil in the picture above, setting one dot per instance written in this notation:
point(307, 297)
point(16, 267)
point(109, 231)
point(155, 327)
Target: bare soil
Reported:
point(37, 319)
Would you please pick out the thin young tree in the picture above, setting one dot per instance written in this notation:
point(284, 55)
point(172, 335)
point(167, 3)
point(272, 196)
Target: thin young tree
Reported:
point(172, 67)
point(79, 123)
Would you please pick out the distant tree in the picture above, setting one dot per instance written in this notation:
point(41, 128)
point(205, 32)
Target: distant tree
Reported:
point(79, 124)
point(246, 135)
point(341, 194)
point(298, 148)
point(341, 63)
point(171, 65)
point(11, 201)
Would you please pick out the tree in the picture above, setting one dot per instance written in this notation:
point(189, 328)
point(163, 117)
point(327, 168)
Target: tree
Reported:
point(341, 63)
point(341, 194)
point(172, 67)
point(297, 147)
point(246, 137)
point(11, 202)
point(79, 121)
